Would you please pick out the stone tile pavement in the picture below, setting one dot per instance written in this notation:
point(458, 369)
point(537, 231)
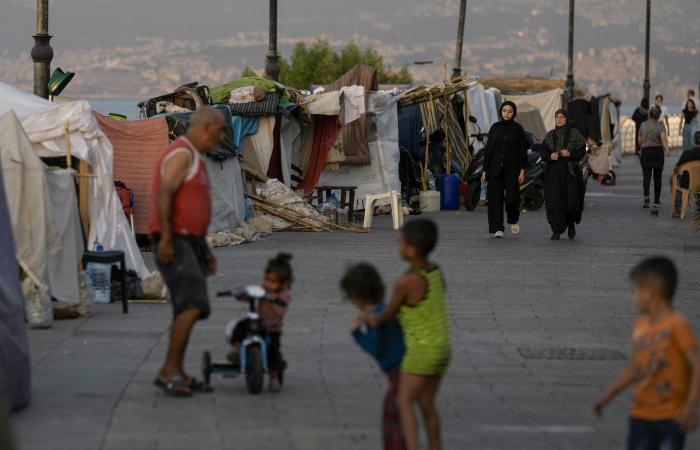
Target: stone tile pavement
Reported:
point(92, 377)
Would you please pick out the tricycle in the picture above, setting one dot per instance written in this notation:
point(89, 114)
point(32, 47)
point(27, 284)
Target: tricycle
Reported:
point(253, 353)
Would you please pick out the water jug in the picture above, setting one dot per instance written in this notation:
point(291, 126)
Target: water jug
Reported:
point(99, 279)
point(449, 191)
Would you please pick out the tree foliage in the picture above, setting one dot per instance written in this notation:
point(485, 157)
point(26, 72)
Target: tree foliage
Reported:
point(318, 63)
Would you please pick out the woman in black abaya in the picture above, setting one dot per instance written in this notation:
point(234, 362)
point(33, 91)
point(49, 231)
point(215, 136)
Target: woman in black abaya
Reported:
point(562, 149)
point(505, 159)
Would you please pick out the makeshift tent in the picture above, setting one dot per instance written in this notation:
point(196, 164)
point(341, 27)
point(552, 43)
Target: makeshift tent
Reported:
point(547, 103)
point(29, 204)
point(382, 175)
point(108, 225)
point(22, 103)
point(15, 376)
point(228, 207)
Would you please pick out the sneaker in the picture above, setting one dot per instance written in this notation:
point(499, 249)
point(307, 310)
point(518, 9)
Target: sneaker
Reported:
point(498, 235)
point(655, 210)
point(515, 228)
point(275, 385)
point(646, 203)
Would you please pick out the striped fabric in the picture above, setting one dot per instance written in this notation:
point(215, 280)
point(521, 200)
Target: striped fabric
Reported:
point(426, 329)
point(267, 107)
point(433, 115)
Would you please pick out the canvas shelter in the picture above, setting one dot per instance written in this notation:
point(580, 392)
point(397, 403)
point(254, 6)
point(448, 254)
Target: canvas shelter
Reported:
point(108, 224)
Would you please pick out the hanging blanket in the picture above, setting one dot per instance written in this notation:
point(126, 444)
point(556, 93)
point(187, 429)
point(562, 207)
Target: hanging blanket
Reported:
point(354, 134)
point(137, 146)
point(267, 107)
point(326, 130)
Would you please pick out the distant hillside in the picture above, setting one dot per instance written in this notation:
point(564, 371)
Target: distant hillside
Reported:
point(126, 48)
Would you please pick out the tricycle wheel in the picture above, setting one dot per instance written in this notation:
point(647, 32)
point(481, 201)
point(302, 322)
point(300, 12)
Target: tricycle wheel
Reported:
point(254, 369)
point(472, 196)
point(206, 368)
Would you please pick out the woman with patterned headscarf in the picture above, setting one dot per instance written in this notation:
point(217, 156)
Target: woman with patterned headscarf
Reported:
point(562, 149)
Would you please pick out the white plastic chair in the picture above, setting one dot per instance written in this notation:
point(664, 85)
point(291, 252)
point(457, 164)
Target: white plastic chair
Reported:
point(396, 211)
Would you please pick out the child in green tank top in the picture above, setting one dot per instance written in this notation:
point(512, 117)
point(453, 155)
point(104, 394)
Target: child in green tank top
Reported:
point(419, 303)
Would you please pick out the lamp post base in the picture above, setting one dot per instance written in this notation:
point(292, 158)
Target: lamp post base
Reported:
point(272, 66)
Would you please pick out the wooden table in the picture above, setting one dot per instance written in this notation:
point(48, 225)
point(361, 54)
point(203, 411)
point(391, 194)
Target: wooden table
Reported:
point(347, 197)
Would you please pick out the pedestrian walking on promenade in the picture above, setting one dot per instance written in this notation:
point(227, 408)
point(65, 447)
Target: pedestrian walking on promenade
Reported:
point(654, 146)
point(180, 214)
point(363, 286)
point(564, 189)
point(505, 160)
point(659, 103)
point(689, 123)
point(640, 115)
point(665, 366)
point(419, 303)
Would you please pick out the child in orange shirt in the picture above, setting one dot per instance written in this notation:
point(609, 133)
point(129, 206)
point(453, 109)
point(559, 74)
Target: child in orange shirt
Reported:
point(665, 367)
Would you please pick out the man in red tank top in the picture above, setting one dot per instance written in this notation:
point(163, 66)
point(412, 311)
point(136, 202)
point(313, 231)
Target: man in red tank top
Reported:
point(180, 214)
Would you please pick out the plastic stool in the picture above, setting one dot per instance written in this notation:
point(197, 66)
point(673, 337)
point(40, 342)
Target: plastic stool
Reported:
point(110, 257)
point(396, 211)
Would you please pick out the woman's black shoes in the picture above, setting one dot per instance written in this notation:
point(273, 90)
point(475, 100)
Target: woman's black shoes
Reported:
point(646, 203)
point(572, 232)
point(555, 236)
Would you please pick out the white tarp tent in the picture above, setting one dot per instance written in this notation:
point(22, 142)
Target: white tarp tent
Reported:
point(382, 174)
point(547, 102)
point(108, 224)
point(22, 103)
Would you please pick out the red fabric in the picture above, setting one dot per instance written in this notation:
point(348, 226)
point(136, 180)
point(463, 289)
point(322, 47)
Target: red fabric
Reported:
point(391, 419)
point(326, 130)
point(137, 146)
point(191, 206)
point(274, 170)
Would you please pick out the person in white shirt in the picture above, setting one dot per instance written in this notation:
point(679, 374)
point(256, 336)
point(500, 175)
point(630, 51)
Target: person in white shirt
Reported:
point(664, 111)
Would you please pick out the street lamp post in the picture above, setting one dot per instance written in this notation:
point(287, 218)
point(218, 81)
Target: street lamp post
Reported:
point(42, 53)
point(457, 69)
point(647, 84)
point(569, 91)
point(272, 65)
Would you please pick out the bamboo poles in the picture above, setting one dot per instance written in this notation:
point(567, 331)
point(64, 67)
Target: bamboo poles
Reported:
point(299, 222)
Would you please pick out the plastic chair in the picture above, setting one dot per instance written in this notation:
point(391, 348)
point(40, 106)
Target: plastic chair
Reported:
point(396, 211)
point(110, 257)
point(693, 170)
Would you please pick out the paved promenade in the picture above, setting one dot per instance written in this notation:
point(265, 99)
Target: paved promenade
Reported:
point(510, 301)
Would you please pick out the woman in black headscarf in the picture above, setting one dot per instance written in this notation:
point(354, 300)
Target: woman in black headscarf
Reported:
point(505, 159)
point(562, 149)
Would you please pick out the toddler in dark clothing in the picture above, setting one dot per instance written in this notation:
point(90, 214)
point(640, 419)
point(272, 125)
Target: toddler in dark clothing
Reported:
point(364, 288)
point(277, 283)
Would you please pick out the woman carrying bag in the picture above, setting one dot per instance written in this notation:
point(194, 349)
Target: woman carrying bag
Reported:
point(654, 146)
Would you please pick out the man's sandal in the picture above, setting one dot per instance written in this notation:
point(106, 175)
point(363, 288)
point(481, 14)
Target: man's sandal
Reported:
point(176, 387)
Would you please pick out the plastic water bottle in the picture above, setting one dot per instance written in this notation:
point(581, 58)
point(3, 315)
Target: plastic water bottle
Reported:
point(99, 278)
point(431, 181)
point(249, 208)
point(482, 195)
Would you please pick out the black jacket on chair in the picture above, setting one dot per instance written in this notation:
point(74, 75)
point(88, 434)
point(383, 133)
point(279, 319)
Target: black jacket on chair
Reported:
point(506, 149)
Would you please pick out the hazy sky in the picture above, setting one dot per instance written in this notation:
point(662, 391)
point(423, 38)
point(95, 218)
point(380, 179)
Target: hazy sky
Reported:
point(402, 30)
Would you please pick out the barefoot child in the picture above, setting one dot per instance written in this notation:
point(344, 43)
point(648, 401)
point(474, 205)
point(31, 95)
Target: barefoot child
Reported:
point(277, 282)
point(419, 302)
point(363, 286)
point(665, 367)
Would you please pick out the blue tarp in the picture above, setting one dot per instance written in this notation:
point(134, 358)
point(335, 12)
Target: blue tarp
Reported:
point(410, 124)
point(14, 349)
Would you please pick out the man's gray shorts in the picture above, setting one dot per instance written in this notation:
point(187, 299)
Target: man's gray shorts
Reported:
point(186, 275)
